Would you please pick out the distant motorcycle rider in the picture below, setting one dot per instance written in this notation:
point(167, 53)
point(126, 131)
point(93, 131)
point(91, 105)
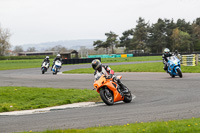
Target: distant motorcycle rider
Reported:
point(58, 57)
point(46, 59)
point(108, 72)
point(176, 52)
point(165, 56)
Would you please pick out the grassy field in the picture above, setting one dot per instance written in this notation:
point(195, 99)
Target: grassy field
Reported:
point(25, 98)
point(34, 63)
point(144, 67)
point(171, 126)
point(20, 64)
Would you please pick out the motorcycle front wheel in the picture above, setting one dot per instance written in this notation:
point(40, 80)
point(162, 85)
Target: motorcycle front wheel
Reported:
point(179, 72)
point(55, 72)
point(43, 71)
point(107, 96)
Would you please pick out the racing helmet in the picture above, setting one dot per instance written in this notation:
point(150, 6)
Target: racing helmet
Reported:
point(166, 51)
point(58, 56)
point(96, 64)
point(47, 57)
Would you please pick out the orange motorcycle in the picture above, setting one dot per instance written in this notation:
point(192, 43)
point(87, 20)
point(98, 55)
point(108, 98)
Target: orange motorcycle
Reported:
point(110, 91)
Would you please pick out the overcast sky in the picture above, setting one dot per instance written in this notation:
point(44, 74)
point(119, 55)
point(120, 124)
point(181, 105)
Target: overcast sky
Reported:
point(36, 21)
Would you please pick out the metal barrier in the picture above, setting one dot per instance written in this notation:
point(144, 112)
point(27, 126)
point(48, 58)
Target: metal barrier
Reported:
point(77, 61)
point(198, 58)
point(110, 56)
point(189, 60)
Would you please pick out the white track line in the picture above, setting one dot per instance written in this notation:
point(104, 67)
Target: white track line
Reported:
point(62, 107)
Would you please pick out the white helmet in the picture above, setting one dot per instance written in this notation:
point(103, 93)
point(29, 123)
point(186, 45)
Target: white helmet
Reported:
point(58, 55)
point(166, 50)
point(47, 57)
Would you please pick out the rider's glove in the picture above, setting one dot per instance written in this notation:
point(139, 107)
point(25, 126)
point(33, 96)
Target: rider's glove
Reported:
point(95, 72)
point(114, 78)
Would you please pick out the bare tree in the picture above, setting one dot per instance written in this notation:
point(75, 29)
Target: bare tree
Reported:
point(31, 49)
point(4, 41)
point(18, 49)
point(58, 49)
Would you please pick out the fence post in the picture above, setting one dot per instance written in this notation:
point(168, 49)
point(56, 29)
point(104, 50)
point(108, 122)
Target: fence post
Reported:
point(197, 59)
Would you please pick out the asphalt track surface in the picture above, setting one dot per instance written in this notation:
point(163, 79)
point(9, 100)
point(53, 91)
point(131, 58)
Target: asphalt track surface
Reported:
point(158, 97)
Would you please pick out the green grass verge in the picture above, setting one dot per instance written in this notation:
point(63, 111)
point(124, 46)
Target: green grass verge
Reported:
point(20, 64)
point(24, 98)
point(25, 57)
point(34, 63)
point(143, 67)
point(172, 126)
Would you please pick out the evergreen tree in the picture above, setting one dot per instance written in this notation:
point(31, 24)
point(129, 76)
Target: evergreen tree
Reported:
point(196, 34)
point(169, 26)
point(140, 35)
point(125, 40)
point(111, 40)
point(98, 44)
point(157, 36)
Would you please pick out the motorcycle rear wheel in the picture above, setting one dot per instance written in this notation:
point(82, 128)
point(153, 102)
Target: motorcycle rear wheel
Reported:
point(107, 96)
point(127, 97)
point(172, 75)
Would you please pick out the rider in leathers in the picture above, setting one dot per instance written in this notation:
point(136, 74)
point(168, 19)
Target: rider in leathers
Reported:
point(58, 57)
point(108, 72)
point(46, 60)
point(165, 55)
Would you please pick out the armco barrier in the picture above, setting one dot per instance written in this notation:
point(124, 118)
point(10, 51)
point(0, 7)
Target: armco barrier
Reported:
point(199, 58)
point(123, 55)
point(77, 61)
point(111, 56)
point(189, 60)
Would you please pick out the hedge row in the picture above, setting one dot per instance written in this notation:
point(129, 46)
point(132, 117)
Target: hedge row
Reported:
point(25, 57)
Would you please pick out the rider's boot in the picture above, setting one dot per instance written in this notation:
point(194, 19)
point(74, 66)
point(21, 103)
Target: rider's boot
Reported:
point(122, 87)
point(52, 67)
point(165, 68)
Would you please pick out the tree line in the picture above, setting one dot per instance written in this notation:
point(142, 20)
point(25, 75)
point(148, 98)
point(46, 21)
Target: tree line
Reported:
point(151, 38)
point(180, 35)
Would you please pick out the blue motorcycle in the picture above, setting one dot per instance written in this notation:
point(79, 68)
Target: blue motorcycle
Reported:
point(174, 67)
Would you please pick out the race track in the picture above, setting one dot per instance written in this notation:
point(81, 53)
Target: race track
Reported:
point(158, 97)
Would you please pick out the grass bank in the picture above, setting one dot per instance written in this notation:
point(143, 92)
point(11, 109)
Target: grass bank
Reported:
point(172, 126)
point(20, 64)
point(25, 98)
point(34, 63)
point(143, 67)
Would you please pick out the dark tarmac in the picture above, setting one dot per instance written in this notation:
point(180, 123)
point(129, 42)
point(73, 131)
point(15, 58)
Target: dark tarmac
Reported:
point(158, 97)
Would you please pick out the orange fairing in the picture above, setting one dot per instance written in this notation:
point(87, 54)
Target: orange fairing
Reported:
point(99, 83)
point(102, 81)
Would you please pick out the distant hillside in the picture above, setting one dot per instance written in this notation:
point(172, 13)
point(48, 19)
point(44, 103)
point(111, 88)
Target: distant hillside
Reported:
point(69, 44)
